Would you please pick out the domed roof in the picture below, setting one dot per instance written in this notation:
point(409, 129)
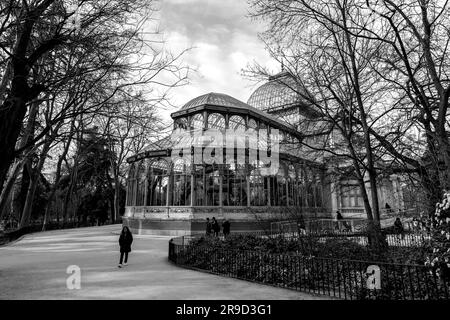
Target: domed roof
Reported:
point(223, 101)
point(282, 91)
point(215, 99)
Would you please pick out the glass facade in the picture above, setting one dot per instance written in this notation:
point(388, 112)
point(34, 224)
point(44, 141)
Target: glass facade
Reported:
point(158, 183)
point(157, 180)
point(281, 92)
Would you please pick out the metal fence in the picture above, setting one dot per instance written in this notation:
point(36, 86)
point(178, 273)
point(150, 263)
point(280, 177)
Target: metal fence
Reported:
point(347, 225)
point(347, 279)
point(406, 239)
point(319, 225)
point(392, 240)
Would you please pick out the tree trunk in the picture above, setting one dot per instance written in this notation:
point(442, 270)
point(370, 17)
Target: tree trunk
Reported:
point(12, 113)
point(26, 214)
point(444, 162)
point(116, 198)
point(8, 187)
point(57, 176)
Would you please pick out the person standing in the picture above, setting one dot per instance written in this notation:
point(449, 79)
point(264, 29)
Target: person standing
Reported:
point(338, 218)
point(125, 241)
point(301, 228)
point(226, 227)
point(388, 208)
point(215, 227)
point(208, 227)
point(398, 226)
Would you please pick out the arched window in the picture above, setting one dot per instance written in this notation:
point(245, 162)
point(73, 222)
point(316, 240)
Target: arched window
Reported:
point(197, 122)
point(158, 182)
point(216, 121)
point(236, 123)
point(252, 124)
point(181, 123)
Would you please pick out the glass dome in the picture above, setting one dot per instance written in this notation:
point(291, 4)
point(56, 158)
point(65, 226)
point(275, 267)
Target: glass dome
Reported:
point(282, 91)
point(215, 99)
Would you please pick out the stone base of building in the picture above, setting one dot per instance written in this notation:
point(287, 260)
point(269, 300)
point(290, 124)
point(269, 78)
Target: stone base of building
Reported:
point(181, 228)
point(178, 221)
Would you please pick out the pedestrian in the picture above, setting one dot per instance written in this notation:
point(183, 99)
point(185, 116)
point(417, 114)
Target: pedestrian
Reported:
point(398, 226)
point(226, 227)
point(338, 218)
point(388, 208)
point(301, 229)
point(215, 227)
point(208, 227)
point(125, 241)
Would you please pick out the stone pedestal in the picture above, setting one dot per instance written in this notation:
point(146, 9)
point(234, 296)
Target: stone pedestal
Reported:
point(175, 221)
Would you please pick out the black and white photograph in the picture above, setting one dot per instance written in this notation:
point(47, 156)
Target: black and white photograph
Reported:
point(225, 155)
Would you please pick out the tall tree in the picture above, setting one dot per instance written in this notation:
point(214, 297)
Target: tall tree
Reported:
point(394, 66)
point(72, 71)
point(34, 33)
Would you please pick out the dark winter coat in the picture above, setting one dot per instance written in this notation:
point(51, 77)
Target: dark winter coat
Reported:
point(226, 227)
point(215, 226)
point(208, 228)
point(398, 226)
point(125, 241)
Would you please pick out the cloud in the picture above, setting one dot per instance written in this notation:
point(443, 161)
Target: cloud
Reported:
point(223, 40)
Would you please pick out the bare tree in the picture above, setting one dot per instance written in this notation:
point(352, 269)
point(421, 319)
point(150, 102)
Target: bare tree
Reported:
point(34, 33)
point(54, 74)
point(128, 127)
point(332, 66)
point(389, 61)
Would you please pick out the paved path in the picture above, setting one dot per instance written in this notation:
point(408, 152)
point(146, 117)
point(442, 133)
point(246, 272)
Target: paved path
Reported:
point(35, 268)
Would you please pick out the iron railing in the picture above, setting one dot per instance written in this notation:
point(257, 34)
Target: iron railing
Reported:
point(346, 279)
point(406, 239)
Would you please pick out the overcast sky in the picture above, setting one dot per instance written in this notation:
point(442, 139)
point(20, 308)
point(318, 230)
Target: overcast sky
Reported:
point(223, 40)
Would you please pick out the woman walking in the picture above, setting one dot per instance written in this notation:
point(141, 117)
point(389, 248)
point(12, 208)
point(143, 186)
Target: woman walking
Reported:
point(125, 241)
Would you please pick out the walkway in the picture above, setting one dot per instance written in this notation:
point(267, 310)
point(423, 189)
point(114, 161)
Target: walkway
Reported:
point(35, 268)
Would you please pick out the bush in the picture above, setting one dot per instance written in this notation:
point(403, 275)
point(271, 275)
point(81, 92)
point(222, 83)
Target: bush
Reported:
point(316, 264)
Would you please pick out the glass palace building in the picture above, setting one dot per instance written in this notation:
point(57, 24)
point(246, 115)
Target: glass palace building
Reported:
point(172, 190)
